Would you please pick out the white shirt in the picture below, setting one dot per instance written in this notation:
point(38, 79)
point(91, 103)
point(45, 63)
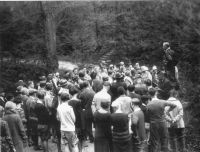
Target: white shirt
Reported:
point(176, 114)
point(124, 102)
point(65, 114)
point(99, 97)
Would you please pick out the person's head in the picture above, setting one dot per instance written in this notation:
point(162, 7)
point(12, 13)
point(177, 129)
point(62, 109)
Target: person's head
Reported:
point(32, 92)
point(49, 86)
point(10, 97)
point(105, 105)
point(152, 92)
point(81, 74)
point(135, 102)
point(121, 91)
point(106, 85)
point(145, 99)
point(73, 90)
point(10, 105)
point(42, 84)
point(84, 85)
point(93, 75)
point(166, 45)
point(131, 88)
point(119, 77)
point(148, 82)
point(173, 93)
point(64, 96)
point(40, 95)
point(18, 100)
point(30, 84)
point(25, 91)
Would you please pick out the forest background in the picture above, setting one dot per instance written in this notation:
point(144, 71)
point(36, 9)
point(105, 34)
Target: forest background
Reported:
point(38, 34)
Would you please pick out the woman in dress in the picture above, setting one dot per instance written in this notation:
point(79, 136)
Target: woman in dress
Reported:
point(103, 135)
point(6, 141)
point(120, 133)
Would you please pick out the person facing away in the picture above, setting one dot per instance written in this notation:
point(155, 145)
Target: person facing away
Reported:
point(6, 141)
point(158, 128)
point(101, 96)
point(86, 96)
point(66, 116)
point(43, 119)
point(103, 134)
point(138, 126)
point(123, 100)
point(175, 123)
point(120, 133)
point(15, 126)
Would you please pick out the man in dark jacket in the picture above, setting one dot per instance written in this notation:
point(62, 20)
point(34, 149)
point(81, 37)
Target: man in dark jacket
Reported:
point(169, 61)
point(114, 86)
point(2, 97)
point(86, 96)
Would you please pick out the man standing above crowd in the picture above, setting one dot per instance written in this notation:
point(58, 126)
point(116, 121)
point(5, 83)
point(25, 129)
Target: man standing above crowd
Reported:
point(170, 61)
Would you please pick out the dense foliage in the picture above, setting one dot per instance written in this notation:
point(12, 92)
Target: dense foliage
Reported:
point(87, 31)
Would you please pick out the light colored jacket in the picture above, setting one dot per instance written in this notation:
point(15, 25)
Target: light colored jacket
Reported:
point(176, 114)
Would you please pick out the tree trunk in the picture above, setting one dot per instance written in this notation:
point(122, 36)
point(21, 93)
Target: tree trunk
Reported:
point(50, 37)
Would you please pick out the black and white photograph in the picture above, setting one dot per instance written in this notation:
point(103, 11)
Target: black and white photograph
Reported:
point(100, 76)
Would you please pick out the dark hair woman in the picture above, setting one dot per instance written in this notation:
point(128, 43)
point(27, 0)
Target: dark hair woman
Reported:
point(103, 135)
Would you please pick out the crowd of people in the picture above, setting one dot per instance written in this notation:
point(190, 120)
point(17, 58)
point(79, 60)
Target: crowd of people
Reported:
point(116, 107)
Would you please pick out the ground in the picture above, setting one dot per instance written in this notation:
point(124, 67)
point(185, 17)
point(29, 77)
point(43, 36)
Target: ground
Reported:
point(52, 148)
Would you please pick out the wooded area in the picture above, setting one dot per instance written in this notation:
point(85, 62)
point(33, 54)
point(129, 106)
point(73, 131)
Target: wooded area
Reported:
point(40, 32)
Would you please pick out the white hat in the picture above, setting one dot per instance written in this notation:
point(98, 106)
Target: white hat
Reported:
point(144, 68)
point(154, 67)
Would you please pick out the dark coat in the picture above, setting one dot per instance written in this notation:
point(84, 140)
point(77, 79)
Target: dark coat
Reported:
point(6, 141)
point(15, 126)
point(86, 97)
point(114, 87)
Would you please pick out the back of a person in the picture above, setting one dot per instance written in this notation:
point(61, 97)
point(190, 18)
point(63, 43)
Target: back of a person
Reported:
point(100, 97)
point(42, 113)
point(119, 122)
point(156, 110)
point(12, 118)
point(64, 112)
point(124, 101)
point(114, 88)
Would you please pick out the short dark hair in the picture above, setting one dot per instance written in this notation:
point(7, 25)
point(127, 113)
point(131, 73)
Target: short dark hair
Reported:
point(148, 82)
point(40, 94)
point(121, 91)
point(64, 96)
point(105, 105)
point(152, 92)
point(42, 85)
point(131, 88)
point(49, 86)
point(73, 90)
point(84, 84)
point(93, 75)
point(9, 96)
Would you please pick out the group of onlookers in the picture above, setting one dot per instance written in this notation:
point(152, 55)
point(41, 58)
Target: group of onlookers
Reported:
point(115, 107)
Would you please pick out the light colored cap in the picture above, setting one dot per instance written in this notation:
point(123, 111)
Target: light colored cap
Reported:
point(10, 105)
point(144, 68)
